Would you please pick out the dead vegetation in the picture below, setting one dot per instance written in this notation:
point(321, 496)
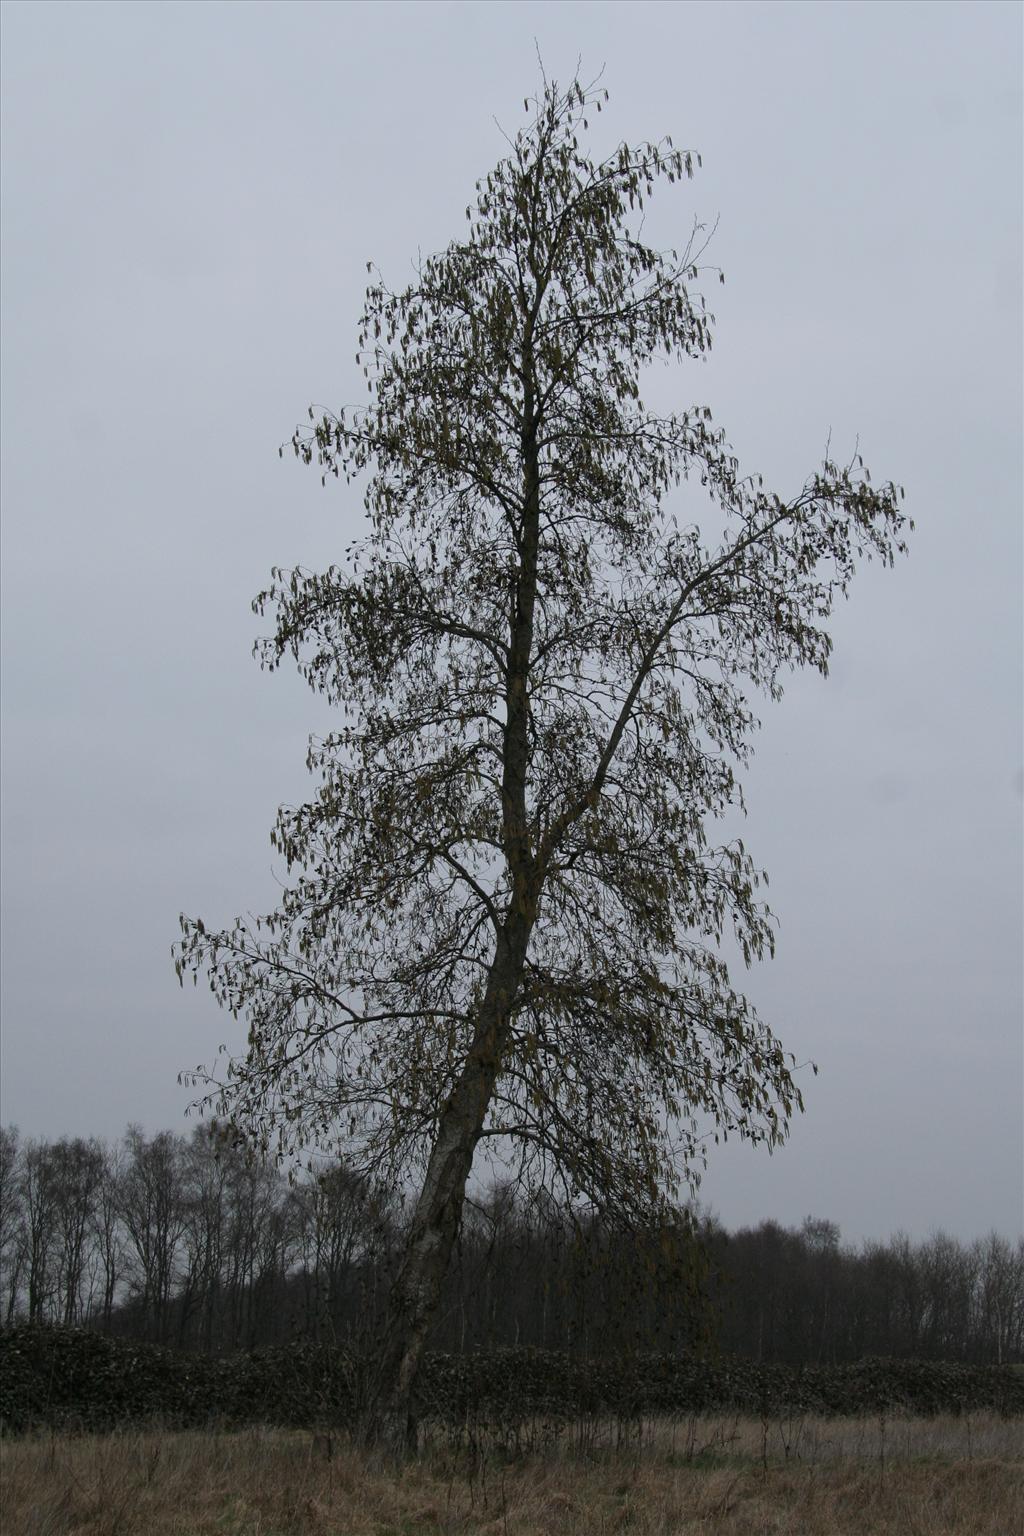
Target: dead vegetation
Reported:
point(738, 1477)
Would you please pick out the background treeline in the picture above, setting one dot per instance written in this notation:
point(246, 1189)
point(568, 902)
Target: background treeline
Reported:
point(183, 1242)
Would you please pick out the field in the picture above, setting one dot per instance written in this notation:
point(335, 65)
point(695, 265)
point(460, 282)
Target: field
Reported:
point(874, 1476)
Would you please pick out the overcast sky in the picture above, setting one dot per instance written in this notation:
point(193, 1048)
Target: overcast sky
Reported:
point(190, 197)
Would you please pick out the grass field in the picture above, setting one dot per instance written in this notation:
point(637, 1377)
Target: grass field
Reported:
point(739, 1477)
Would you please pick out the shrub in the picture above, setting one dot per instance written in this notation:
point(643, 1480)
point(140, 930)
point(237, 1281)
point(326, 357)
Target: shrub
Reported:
point(65, 1378)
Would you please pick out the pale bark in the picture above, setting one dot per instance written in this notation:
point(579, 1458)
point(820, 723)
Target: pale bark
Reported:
point(416, 1292)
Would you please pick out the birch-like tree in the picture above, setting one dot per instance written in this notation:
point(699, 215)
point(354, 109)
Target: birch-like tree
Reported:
point(504, 922)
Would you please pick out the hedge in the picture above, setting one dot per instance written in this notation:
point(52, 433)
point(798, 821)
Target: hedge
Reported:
point(63, 1378)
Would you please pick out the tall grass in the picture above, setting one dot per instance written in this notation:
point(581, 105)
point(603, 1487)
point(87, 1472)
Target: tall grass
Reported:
point(735, 1476)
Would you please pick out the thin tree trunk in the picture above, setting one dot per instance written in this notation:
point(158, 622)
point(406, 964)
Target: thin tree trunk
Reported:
point(394, 1404)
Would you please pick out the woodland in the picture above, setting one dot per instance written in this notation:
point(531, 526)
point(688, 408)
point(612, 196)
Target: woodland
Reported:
point(185, 1242)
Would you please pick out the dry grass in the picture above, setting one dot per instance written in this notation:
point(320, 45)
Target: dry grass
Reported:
point(897, 1477)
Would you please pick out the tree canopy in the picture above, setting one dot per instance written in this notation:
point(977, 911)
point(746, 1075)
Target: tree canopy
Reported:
point(507, 902)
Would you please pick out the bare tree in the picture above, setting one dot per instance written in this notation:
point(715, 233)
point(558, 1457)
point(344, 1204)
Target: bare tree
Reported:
point(36, 1189)
point(77, 1173)
point(13, 1245)
point(109, 1236)
point(251, 1250)
point(506, 921)
point(204, 1237)
point(342, 1225)
point(999, 1267)
point(152, 1212)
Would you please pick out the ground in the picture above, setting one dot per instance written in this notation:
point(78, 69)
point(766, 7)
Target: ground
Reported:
point(788, 1477)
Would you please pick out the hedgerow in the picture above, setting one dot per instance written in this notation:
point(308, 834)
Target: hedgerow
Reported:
point(64, 1378)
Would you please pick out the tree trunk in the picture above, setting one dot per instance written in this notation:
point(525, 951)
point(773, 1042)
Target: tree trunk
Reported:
point(435, 1223)
point(393, 1400)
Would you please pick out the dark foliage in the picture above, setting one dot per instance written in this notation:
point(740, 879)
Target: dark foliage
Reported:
point(66, 1378)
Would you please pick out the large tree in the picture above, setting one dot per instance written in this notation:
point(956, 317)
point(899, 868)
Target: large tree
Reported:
point(507, 904)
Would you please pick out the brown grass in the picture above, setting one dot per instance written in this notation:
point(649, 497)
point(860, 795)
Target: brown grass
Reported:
point(897, 1477)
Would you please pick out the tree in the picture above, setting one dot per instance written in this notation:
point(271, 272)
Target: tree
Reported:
point(13, 1236)
point(1000, 1282)
point(78, 1171)
point(108, 1233)
point(152, 1211)
point(343, 1229)
point(507, 906)
point(37, 1199)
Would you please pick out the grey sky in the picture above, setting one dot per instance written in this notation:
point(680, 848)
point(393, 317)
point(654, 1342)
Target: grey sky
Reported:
point(190, 196)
